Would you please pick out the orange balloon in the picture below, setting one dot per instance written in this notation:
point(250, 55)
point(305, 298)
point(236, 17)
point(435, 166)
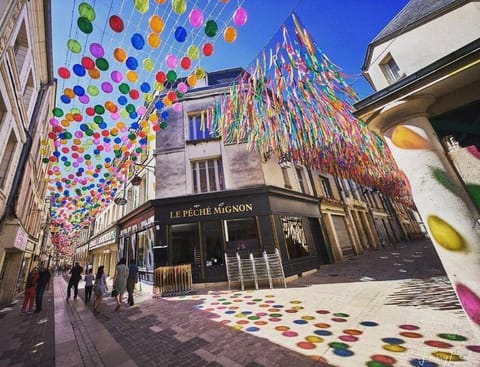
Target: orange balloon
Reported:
point(69, 116)
point(230, 34)
point(153, 40)
point(156, 23)
point(69, 92)
point(160, 1)
point(192, 80)
point(94, 73)
point(119, 54)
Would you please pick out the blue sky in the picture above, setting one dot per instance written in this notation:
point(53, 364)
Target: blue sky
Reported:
point(342, 29)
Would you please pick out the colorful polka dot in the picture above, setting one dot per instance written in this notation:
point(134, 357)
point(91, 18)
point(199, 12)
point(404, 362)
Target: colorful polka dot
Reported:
point(340, 314)
point(300, 322)
point(338, 319)
point(278, 306)
point(369, 323)
point(408, 327)
point(338, 345)
point(377, 364)
point(308, 318)
point(229, 312)
point(295, 302)
point(242, 322)
point(289, 333)
point(393, 340)
point(273, 310)
point(474, 348)
point(275, 315)
point(446, 356)
point(422, 363)
point(394, 348)
point(282, 328)
point(252, 329)
point(322, 325)
point(323, 332)
point(314, 339)
point(438, 344)
point(411, 334)
point(343, 352)
point(306, 345)
point(253, 317)
point(291, 311)
point(260, 323)
point(348, 338)
point(352, 332)
point(454, 337)
point(322, 312)
point(275, 319)
point(261, 314)
point(382, 358)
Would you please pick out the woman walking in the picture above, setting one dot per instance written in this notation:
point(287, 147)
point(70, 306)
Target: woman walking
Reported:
point(120, 281)
point(100, 288)
point(30, 289)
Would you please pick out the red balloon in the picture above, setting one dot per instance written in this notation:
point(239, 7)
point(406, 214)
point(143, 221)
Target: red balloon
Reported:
point(88, 63)
point(134, 94)
point(172, 96)
point(63, 72)
point(52, 135)
point(58, 129)
point(207, 49)
point(77, 117)
point(105, 133)
point(185, 63)
point(90, 111)
point(116, 23)
point(96, 135)
point(161, 77)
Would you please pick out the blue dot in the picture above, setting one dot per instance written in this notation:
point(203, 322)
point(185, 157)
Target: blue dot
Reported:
point(246, 312)
point(422, 363)
point(300, 322)
point(343, 352)
point(277, 306)
point(368, 323)
point(229, 312)
point(393, 340)
point(252, 329)
point(323, 332)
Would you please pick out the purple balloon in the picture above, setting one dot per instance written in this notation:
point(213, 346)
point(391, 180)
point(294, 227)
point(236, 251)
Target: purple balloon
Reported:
point(240, 16)
point(116, 76)
point(84, 99)
point(97, 50)
point(107, 87)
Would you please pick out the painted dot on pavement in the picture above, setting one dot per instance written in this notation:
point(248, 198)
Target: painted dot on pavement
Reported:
point(276, 315)
point(215, 303)
point(352, 332)
point(291, 311)
point(422, 363)
point(238, 327)
point(260, 322)
point(253, 317)
point(242, 322)
point(263, 305)
point(437, 344)
point(273, 310)
point(308, 318)
point(338, 345)
point(411, 334)
point(278, 306)
point(408, 327)
point(261, 314)
point(340, 314)
point(447, 356)
point(455, 337)
point(269, 296)
point(314, 339)
point(282, 328)
point(368, 323)
point(233, 308)
point(226, 303)
point(306, 345)
point(275, 319)
point(348, 338)
point(298, 308)
point(338, 319)
point(295, 302)
point(240, 315)
point(343, 352)
point(322, 325)
point(252, 329)
point(378, 364)
point(290, 333)
point(323, 332)
point(317, 358)
point(257, 299)
point(394, 348)
point(474, 348)
point(393, 340)
point(229, 312)
point(246, 312)
point(300, 322)
point(247, 297)
point(270, 301)
point(322, 312)
point(251, 303)
point(221, 307)
point(382, 358)
point(237, 300)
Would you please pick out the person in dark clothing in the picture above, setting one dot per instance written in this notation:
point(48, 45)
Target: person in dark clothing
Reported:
point(42, 285)
point(131, 280)
point(75, 278)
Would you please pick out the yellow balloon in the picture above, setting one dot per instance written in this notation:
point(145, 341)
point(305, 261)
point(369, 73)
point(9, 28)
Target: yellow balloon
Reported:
point(193, 52)
point(148, 64)
point(179, 6)
point(153, 40)
point(153, 117)
point(120, 124)
point(156, 23)
point(148, 97)
point(132, 76)
point(69, 92)
point(200, 72)
point(230, 34)
point(119, 54)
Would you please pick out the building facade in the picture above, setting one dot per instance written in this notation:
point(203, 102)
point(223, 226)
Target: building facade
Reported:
point(27, 94)
point(426, 105)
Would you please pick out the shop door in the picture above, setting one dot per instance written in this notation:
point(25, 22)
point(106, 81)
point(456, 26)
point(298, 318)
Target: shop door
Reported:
point(344, 239)
point(213, 250)
point(185, 247)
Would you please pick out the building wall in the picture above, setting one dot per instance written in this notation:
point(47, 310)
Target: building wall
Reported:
point(427, 43)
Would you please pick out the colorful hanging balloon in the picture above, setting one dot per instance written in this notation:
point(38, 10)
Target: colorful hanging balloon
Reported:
point(119, 54)
point(153, 40)
point(156, 23)
point(97, 50)
point(180, 34)
point(63, 72)
point(141, 5)
point(240, 17)
point(85, 25)
point(137, 41)
point(85, 10)
point(179, 6)
point(230, 34)
point(74, 46)
point(193, 52)
point(171, 61)
point(196, 18)
point(116, 23)
point(207, 49)
point(211, 28)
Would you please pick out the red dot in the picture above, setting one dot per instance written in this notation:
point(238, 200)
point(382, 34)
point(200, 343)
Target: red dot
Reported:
point(306, 345)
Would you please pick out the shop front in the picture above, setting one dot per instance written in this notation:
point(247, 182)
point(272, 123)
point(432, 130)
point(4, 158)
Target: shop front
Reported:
point(200, 229)
point(103, 251)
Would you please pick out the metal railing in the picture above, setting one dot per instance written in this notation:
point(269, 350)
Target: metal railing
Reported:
point(173, 280)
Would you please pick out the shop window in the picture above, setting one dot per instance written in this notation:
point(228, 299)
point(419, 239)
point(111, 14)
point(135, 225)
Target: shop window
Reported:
point(241, 234)
point(144, 253)
point(208, 176)
point(197, 126)
point(327, 189)
point(6, 158)
point(292, 228)
point(185, 244)
point(390, 69)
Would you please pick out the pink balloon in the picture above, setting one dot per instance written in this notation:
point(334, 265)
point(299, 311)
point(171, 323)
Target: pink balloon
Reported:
point(177, 107)
point(182, 87)
point(53, 122)
point(141, 110)
point(240, 16)
point(196, 18)
point(75, 164)
point(116, 76)
point(107, 87)
point(97, 50)
point(171, 61)
point(115, 116)
point(84, 99)
point(57, 143)
point(78, 134)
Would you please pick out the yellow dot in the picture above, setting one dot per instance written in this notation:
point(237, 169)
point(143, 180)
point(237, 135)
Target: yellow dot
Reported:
point(394, 348)
point(444, 234)
point(446, 356)
point(314, 339)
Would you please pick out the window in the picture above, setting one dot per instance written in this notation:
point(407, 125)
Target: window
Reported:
point(327, 189)
point(197, 126)
point(207, 176)
point(301, 180)
point(241, 234)
point(6, 159)
point(292, 228)
point(390, 69)
point(28, 93)
point(20, 48)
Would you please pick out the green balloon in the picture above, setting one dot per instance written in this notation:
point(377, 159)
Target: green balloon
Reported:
point(74, 46)
point(67, 163)
point(133, 157)
point(57, 112)
point(193, 52)
point(92, 90)
point(171, 76)
point(124, 88)
point(45, 160)
point(98, 119)
point(211, 28)
point(141, 5)
point(67, 135)
point(85, 10)
point(88, 157)
point(85, 25)
point(163, 125)
point(102, 63)
point(130, 108)
point(132, 136)
point(99, 109)
point(179, 6)
point(89, 132)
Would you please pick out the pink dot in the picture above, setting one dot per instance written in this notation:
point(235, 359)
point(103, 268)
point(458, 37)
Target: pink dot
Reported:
point(275, 319)
point(289, 333)
point(338, 319)
point(408, 327)
point(348, 338)
point(470, 302)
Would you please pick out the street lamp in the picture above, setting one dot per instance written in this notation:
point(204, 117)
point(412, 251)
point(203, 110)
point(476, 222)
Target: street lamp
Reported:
point(284, 161)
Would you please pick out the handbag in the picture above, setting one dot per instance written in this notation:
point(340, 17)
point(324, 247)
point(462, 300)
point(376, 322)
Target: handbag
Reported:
point(114, 292)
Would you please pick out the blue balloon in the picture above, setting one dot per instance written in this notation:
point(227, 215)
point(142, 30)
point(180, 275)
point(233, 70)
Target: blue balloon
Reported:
point(133, 115)
point(145, 87)
point(79, 90)
point(103, 125)
point(134, 126)
point(180, 34)
point(164, 115)
point(79, 70)
point(137, 41)
point(63, 158)
point(117, 140)
point(65, 99)
point(131, 63)
point(56, 153)
point(159, 105)
point(122, 100)
point(83, 127)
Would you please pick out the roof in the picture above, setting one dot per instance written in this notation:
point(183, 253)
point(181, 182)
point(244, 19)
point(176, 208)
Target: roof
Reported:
point(415, 13)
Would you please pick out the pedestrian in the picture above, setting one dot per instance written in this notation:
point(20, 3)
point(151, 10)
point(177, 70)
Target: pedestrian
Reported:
point(88, 285)
point(30, 287)
point(76, 276)
point(131, 280)
point(120, 281)
point(100, 288)
point(44, 276)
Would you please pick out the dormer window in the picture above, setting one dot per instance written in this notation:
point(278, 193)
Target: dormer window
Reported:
point(390, 69)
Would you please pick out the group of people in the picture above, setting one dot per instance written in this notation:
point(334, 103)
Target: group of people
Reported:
point(124, 279)
point(38, 282)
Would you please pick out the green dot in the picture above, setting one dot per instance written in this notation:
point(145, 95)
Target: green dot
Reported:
point(102, 63)
point(455, 337)
point(124, 88)
point(339, 314)
point(57, 112)
point(338, 345)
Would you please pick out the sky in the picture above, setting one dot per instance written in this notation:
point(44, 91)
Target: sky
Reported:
point(342, 29)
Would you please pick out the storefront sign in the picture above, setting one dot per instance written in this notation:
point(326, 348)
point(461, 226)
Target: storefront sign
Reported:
point(21, 239)
point(207, 211)
point(107, 237)
point(144, 224)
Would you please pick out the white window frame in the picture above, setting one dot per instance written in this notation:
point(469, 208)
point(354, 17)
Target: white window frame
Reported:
point(195, 120)
point(390, 69)
point(197, 179)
